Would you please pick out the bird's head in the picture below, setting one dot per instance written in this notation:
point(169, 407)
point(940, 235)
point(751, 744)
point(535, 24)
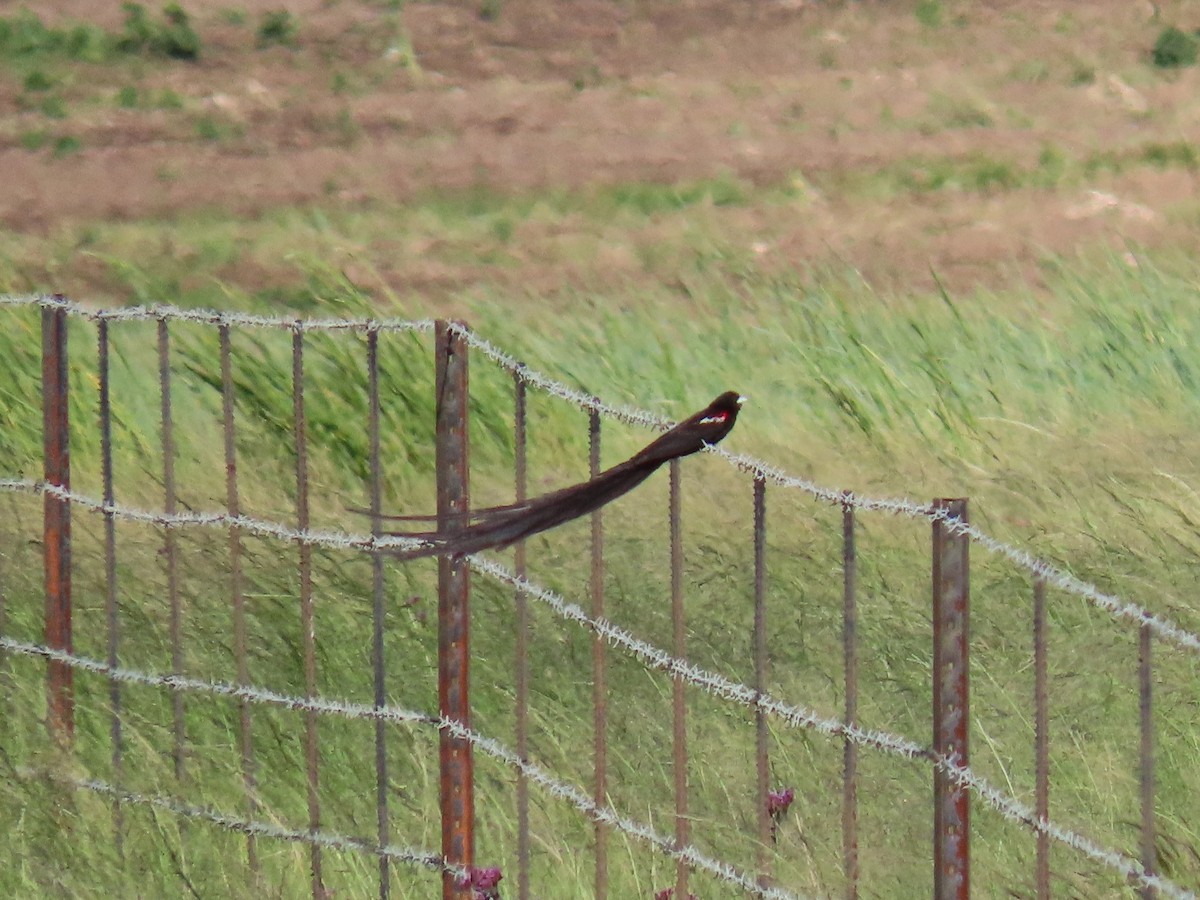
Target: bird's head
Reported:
point(723, 411)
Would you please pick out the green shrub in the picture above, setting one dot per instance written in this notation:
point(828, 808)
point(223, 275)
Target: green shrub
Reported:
point(173, 37)
point(127, 97)
point(168, 99)
point(209, 129)
point(66, 145)
point(54, 108)
point(34, 140)
point(88, 44)
point(24, 35)
point(137, 32)
point(178, 40)
point(929, 13)
point(277, 27)
point(1083, 73)
point(1174, 49)
point(37, 80)
point(1179, 153)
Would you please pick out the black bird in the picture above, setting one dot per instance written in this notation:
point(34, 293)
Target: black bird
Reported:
point(500, 526)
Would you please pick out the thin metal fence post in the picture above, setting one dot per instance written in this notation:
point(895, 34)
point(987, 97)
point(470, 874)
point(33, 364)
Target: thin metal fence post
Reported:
point(233, 504)
point(56, 512)
point(453, 503)
point(520, 440)
point(308, 635)
point(112, 623)
point(170, 545)
point(678, 696)
point(378, 612)
point(599, 670)
point(1041, 736)
point(1146, 748)
point(759, 650)
point(951, 709)
point(850, 660)
point(6, 680)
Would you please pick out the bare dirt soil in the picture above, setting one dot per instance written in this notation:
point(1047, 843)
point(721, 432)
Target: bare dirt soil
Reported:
point(854, 103)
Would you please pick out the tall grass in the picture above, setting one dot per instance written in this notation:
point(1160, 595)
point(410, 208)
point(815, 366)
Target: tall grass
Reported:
point(1069, 417)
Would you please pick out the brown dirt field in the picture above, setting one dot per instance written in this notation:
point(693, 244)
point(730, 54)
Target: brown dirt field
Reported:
point(382, 106)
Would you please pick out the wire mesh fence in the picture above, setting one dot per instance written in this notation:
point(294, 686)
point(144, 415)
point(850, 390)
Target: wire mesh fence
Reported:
point(236, 615)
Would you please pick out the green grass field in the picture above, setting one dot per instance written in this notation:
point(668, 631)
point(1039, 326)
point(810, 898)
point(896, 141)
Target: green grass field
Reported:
point(1068, 418)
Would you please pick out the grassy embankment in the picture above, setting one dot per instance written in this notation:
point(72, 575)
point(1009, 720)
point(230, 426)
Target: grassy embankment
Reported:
point(1069, 417)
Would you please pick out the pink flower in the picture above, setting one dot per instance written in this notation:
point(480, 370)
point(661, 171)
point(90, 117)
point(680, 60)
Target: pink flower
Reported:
point(779, 801)
point(777, 806)
point(483, 882)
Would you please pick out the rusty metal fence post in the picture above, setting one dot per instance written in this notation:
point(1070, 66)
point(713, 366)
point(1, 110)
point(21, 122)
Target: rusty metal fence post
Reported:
point(453, 502)
point(378, 611)
point(308, 628)
point(56, 512)
point(1041, 737)
point(599, 664)
point(850, 657)
point(1146, 753)
point(170, 545)
point(521, 473)
point(237, 591)
point(951, 718)
point(678, 695)
point(111, 606)
point(762, 762)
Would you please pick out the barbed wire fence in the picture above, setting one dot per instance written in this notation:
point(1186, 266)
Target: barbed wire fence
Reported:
point(947, 756)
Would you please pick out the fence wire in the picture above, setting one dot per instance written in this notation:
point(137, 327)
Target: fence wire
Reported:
point(178, 807)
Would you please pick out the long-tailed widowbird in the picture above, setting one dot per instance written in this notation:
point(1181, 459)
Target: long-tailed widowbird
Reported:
point(500, 526)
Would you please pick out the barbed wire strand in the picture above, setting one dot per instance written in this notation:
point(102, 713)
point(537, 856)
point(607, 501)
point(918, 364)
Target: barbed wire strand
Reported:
point(1110, 603)
point(486, 745)
point(334, 540)
point(322, 837)
point(627, 414)
point(164, 311)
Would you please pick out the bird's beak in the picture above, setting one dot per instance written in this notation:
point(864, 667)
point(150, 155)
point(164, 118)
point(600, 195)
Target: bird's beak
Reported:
point(742, 400)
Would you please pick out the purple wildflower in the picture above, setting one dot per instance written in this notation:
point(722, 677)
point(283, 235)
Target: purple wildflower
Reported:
point(779, 801)
point(484, 883)
point(777, 806)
